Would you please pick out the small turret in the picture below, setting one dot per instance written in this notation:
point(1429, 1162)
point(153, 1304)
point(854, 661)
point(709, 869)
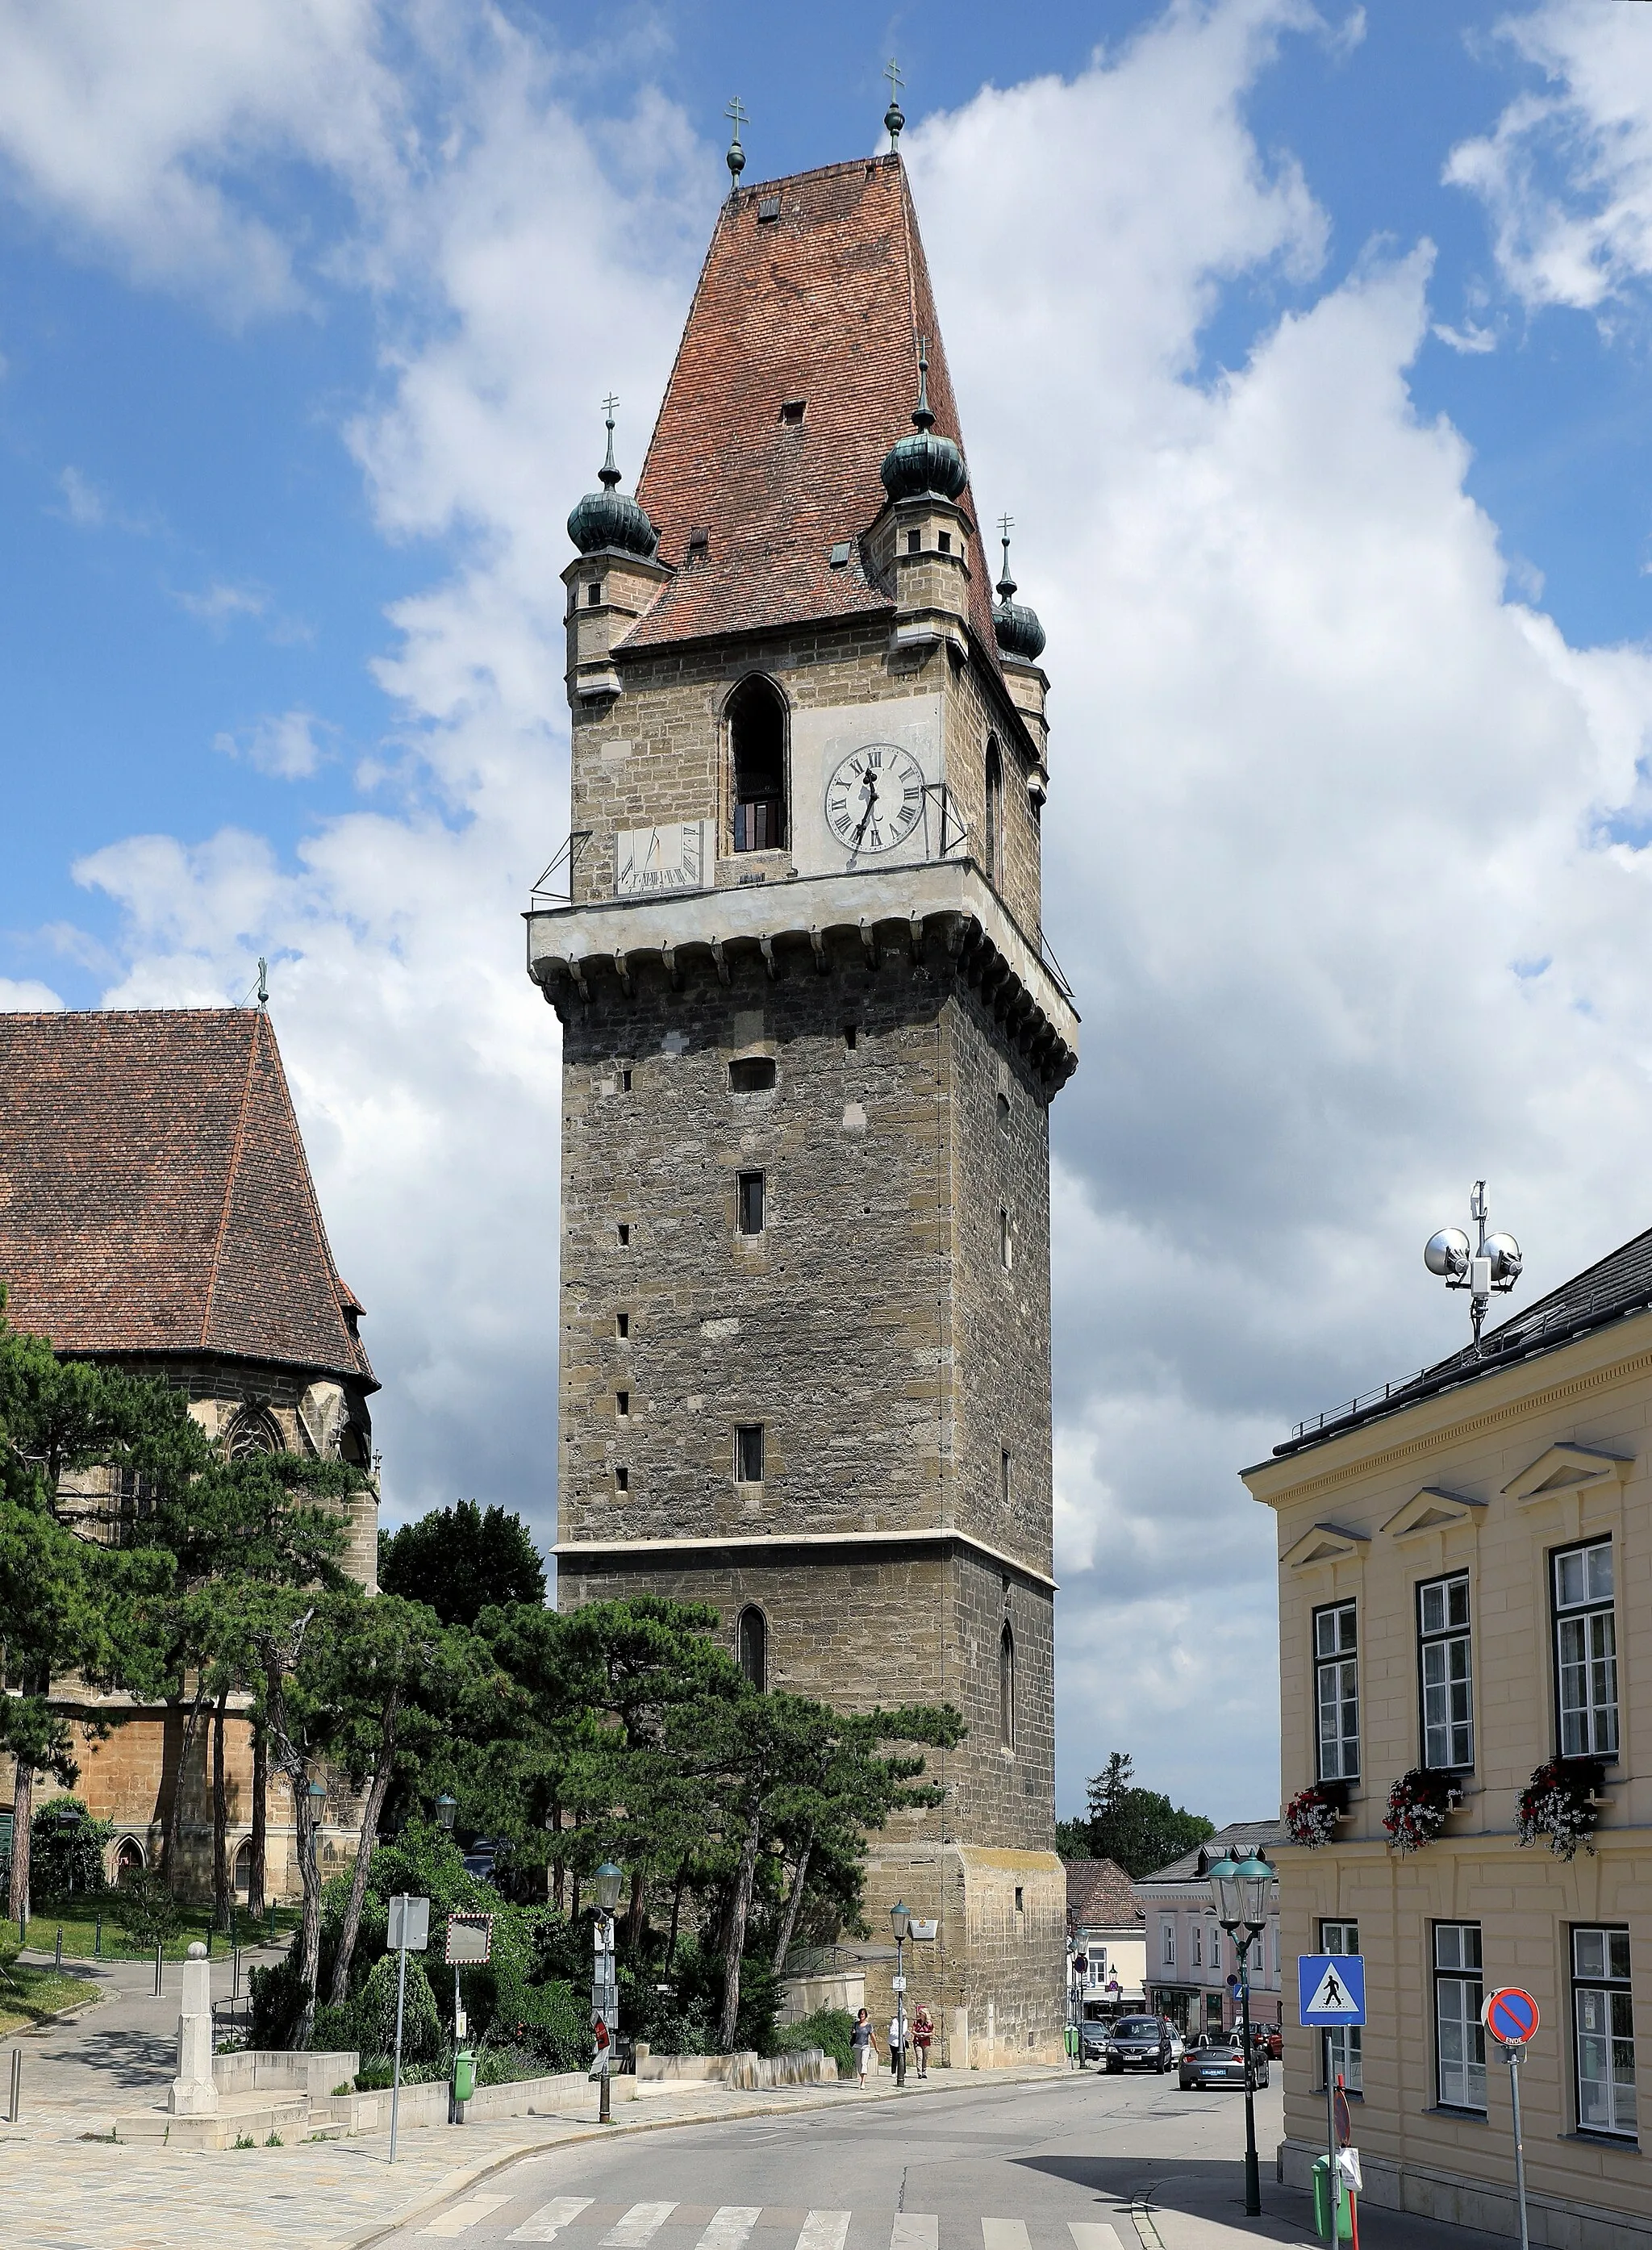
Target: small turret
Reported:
point(923, 462)
point(1017, 628)
point(608, 518)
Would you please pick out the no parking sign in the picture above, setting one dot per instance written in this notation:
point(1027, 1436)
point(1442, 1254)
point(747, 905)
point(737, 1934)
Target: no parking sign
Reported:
point(1510, 2015)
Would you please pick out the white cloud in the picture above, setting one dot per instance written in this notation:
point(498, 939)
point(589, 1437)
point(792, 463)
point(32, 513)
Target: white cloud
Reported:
point(286, 747)
point(21, 993)
point(1566, 172)
point(1327, 784)
point(82, 502)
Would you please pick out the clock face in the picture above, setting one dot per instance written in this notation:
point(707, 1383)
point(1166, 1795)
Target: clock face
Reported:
point(874, 798)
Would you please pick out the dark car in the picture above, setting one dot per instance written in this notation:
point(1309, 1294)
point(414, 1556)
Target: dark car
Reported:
point(1218, 2058)
point(1136, 2043)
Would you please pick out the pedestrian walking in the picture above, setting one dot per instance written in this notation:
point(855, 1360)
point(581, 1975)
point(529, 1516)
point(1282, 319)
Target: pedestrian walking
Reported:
point(896, 2028)
point(860, 2039)
point(923, 2033)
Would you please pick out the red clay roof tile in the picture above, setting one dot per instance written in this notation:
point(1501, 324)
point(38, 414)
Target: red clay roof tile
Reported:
point(824, 304)
point(154, 1195)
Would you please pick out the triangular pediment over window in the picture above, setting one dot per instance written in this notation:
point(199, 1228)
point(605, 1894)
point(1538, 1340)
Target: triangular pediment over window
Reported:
point(1431, 1509)
point(1566, 1468)
point(1326, 1542)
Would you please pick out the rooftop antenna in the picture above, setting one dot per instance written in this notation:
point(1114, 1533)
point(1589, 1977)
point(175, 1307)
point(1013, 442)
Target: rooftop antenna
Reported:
point(1006, 584)
point(608, 473)
point(736, 158)
point(1495, 1264)
point(893, 119)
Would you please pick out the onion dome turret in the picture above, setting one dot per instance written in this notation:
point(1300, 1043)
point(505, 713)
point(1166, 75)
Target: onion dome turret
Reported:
point(1018, 631)
point(923, 463)
point(610, 518)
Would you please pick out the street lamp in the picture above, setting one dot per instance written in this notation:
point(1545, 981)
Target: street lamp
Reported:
point(608, 1881)
point(1494, 1265)
point(901, 1921)
point(1239, 1893)
point(446, 1806)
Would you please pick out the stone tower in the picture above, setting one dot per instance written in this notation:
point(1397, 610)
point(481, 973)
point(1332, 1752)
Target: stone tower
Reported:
point(810, 1037)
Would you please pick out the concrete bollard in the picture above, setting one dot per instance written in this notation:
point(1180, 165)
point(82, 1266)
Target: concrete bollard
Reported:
point(193, 2093)
point(17, 2086)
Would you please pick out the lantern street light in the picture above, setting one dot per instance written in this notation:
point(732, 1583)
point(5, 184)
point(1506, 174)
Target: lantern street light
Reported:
point(608, 1881)
point(1239, 1893)
point(1494, 1265)
point(446, 1806)
point(901, 1921)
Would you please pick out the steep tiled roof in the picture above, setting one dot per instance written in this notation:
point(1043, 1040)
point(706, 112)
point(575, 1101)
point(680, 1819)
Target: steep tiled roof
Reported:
point(1238, 1837)
point(823, 304)
point(154, 1195)
point(1099, 1896)
point(1612, 1289)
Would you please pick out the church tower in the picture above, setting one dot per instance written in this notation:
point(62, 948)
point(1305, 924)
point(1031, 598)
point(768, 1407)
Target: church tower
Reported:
point(811, 1035)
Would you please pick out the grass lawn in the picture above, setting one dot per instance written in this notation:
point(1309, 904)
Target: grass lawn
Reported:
point(33, 1996)
point(76, 1919)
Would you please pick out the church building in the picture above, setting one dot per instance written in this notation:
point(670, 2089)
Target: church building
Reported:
point(811, 1034)
point(158, 1214)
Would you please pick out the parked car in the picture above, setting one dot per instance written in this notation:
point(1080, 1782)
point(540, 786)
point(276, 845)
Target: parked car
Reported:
point(1218, 2058)
point(1178, 2043)
point(1137, 2043)
point(1268, 2035)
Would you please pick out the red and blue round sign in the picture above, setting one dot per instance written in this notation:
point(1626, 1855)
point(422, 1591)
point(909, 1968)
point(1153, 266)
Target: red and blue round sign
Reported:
point(1510, 2015)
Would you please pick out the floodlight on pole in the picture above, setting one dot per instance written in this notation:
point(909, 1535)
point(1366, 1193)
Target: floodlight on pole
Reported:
point(1492, 1265)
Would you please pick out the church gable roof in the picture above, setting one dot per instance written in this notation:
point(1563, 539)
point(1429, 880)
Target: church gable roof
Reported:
point(823, 304)
point(154, 1195)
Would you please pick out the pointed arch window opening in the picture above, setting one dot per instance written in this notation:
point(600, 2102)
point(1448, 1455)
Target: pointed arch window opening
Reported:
point(753, 1647)
point(1007, 1688)
point(995, 835)
point(757, 759)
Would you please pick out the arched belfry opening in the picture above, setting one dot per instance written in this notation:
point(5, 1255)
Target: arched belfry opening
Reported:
point(753, 1647)
point(757, 752)
point(1007, 1688)
point(994, 839)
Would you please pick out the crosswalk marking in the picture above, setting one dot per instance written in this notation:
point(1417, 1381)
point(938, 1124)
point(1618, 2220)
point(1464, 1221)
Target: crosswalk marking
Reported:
point(824, 2230)
point(730, 2226)
point(1092, 2234)
point(1004, 2234)
point(640, 2224)
point(549, 2220)
point(915, 2230)
point(464, 2214)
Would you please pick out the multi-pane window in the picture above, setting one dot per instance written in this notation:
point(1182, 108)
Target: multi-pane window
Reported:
point(1214, 1952)
point(1336, 1691)
point(1603, 2024)
point(1447, 1663)
point(1347, 2059)
point(1586, 1651)
point(1459, 2035)
point(1198, 1946)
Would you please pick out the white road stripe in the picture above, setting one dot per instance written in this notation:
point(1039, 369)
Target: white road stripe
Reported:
point(915, 2230)
point(1004, 2234)
point(640, 2224)
point(1092, 2234)
point(549, 2220)
point(824, 2230)
point(463, 2214)
point(730, 2226)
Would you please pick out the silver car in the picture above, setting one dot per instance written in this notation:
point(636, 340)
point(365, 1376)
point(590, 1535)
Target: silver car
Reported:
point(1218, 2058)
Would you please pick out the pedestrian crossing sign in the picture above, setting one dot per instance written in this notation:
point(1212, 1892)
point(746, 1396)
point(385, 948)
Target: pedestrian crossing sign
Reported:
point(1330, 1988)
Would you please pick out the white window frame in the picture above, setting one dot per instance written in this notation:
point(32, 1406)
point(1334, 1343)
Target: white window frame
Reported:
point(1586, 1653)
point(1336, 1691)
point(1603, 2031)
point(1459, 1992)
point(1445, 1673)
point(1167, 1942)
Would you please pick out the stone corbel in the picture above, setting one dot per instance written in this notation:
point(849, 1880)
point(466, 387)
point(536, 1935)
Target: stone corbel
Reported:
point(668, 961)
point(869, 942)
point(720, 959)
point(819, 944)
point(621, 971)
point(767, 944)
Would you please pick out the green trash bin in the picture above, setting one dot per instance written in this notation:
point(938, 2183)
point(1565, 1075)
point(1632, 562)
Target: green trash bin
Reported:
point(1322, 2205)
point(463, 2075)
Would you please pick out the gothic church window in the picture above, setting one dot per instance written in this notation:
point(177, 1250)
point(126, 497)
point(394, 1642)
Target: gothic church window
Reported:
point(753, 1647)
point(757, 743)
point(252, 1433)
point(995, 817)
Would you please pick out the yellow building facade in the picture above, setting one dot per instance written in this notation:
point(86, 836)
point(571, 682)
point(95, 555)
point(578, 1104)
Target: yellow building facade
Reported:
point(1465, 1597)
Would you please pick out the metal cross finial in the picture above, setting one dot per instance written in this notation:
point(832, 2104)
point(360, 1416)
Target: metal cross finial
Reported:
point(736, 158)
point(264, 982)
point(608, 473)
point(1006, 584)
point(893, 119)
point(922, 418)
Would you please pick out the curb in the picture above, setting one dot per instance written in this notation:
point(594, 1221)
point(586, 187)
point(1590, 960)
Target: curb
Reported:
point(464, 2177)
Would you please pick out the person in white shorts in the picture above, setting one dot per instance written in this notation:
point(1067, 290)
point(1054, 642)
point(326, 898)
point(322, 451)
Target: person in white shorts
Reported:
point(861, 2040)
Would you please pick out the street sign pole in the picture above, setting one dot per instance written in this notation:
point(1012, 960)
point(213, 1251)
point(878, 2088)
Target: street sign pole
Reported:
point(409, 1930)
point(1513, 2054)
point(1510, 2015)
point(1333, 2177)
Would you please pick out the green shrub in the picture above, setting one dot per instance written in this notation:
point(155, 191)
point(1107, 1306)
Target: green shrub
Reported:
point(275, 2003)
point(145, 1911)
point(829, 2029)
point(336, 2031)
point(375, 2013)
point(65, 1855)
point(548, 2021)
point(378, 2071)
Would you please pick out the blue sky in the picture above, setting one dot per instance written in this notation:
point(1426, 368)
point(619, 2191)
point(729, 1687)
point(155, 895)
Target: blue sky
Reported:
point(1310, 350)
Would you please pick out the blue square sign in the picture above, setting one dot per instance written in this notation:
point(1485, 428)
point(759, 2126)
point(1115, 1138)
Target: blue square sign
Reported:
point(1330, 1988)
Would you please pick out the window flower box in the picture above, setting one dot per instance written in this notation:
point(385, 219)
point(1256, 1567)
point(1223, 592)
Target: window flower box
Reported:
point(1562, 1803)
point(1312, 1815)
point(1419, 1804)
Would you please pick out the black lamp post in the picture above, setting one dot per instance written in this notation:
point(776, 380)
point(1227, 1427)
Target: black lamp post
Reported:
point(608, 1882)
point(1239, 1891)
point(901, 1922)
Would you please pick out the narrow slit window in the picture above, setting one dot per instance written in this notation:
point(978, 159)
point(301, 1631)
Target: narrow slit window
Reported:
point(622, 1324)
point(622, 1404)
point(994, 816)
point(593, 595)
point(753, 1647)
point(914, 543)
point(851, 1033)
point(749, 1453)
point(625, 1081)
point(750, 1202)
point(1003, 1475)
point(624, 1232)
point(1007, 1688)
point(1005, 1246)
point(622, 1479)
